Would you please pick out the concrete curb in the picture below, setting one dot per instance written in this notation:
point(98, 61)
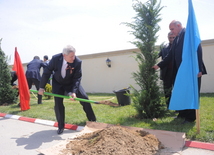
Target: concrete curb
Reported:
point(200, 145)
point(195, 144)
point(40, 121)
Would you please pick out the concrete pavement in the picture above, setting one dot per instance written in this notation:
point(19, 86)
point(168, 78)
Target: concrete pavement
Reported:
point(23, 137)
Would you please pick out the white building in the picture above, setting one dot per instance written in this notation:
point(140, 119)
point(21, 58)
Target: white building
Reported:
point(99, 78)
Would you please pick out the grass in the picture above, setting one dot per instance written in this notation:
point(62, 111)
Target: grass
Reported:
point(123, 115)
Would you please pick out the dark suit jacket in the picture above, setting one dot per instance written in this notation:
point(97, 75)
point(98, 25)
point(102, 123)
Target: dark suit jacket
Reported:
point(175, 55)
point(33, 69)
point(164, 51)
point(70, 83)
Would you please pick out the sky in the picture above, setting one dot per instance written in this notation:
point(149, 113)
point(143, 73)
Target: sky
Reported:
point(44, 27)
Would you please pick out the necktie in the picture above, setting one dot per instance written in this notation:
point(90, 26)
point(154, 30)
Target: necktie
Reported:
point(63, 70)
point(69, 69)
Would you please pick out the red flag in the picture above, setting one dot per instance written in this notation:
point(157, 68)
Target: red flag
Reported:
point(24, 93)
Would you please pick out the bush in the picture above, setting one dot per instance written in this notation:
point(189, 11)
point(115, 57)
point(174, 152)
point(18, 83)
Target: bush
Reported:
point(48, 88)
point(7, 94)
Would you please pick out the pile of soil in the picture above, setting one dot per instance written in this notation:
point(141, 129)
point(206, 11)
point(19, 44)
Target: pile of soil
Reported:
point(109, 103)
point(114, 140)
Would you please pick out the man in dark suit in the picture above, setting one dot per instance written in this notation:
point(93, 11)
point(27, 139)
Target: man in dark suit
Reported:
point(46, 61)
point(175, 57)
point(166, 72)
point(66, 79)
point(33, 74)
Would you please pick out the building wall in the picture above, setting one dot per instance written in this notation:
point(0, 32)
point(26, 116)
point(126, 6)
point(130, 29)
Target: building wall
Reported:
point(208, 57)
point(99, 78)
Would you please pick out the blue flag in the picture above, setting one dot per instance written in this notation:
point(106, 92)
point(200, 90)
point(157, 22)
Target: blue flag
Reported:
point(185, 93)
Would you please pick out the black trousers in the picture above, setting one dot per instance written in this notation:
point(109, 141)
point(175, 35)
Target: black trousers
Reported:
point(60, 108)
point(167, 85)
point(36, 82)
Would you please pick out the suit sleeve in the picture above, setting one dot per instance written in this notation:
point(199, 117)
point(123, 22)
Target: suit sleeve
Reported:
point(201, 65)
point(46, 74)
point(166, 60)
point(77, 77)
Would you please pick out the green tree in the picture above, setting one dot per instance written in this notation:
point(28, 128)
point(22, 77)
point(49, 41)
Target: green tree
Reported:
point(7, 94)
point(147, 100)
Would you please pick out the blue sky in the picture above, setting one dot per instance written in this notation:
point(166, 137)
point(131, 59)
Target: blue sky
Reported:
point(44, 27)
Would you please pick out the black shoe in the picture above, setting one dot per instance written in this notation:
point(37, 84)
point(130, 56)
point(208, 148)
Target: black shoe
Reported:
point(40, 103)
point(60, 131)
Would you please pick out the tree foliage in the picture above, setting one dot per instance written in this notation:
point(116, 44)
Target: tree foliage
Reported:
point(7, 94)
point(147, 100)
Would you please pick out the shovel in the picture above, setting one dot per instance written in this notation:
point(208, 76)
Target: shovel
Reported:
point(67, 97)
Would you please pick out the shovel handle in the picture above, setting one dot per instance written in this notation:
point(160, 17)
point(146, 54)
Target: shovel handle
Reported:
point(67, 97)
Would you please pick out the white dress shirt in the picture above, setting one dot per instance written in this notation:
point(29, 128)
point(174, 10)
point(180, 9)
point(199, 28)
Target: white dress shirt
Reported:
point(64, 66)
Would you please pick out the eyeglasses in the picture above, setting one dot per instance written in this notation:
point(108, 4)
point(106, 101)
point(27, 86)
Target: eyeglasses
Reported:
point(171, 37)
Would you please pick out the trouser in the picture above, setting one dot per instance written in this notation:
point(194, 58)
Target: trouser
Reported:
point(167, 84)
point(36, 82)
point(60, 108)
point(187, 114)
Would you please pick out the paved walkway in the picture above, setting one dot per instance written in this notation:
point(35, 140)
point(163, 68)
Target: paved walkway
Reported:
point(22, 136)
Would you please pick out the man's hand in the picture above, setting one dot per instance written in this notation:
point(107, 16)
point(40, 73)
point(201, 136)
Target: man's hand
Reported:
point(41, 91)
point(73, 96)
point(155, 67)
point(199, 74)
point(15, 87)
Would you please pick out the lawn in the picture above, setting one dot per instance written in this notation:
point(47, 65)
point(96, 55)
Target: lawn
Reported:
point(122, 115)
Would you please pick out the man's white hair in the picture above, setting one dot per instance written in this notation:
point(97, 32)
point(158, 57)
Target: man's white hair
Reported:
point(68, 49)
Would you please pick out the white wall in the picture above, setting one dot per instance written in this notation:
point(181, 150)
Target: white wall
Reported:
point(208, 57)
point(98, 78)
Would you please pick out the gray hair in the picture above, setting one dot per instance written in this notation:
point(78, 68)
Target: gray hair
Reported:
point(68, 49)
point(176, 22)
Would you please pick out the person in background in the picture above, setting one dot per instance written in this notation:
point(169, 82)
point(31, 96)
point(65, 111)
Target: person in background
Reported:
point(175, 57)
point(166, 72)
point(33, 74)
point(46, 61)
point(66, 79)
point(14, 78)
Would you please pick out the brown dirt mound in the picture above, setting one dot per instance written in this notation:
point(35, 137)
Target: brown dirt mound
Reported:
point(115, 140)
point(109, 103)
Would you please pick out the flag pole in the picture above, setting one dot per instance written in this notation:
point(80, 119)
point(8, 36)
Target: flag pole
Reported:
point(198, 120)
